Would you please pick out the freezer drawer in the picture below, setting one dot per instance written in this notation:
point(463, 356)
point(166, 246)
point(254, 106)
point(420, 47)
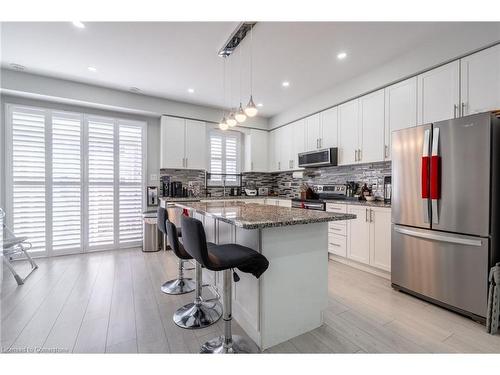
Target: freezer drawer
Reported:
point(450, 268)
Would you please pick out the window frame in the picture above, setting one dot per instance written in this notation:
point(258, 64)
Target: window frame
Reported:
point(224, 134)
point(9, 108)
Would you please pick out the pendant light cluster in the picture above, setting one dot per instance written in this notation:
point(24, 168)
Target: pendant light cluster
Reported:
point(239, 115)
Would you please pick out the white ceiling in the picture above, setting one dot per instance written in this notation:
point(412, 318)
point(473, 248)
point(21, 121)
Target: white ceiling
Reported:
point(165, 59)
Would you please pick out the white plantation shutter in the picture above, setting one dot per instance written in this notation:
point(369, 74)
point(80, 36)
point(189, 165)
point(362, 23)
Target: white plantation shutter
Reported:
point(101, 167)
point(66, 181)
point(131, 191)
point(224, 156)
point(27, 157)
point(75, 182)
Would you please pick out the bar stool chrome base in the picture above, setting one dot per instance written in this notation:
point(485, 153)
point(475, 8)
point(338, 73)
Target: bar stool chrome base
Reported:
point(237, 345)
point(178, 286)
point(198, 315)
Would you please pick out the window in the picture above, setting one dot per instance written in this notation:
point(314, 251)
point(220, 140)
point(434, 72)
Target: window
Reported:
point(76, 180)
point(224, 152)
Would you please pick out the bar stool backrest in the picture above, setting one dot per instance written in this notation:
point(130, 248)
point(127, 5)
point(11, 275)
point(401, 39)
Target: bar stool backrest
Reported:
point(175, 244)
point(162, 218)
point(194, 239)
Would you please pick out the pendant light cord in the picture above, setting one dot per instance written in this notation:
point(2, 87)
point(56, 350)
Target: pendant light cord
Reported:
point(251, 60)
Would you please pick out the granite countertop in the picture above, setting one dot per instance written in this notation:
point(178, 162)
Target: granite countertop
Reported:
point(257, 216)
point(359, 203)
point(226, 198)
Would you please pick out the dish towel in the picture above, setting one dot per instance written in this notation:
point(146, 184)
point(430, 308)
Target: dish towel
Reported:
point(493, 313)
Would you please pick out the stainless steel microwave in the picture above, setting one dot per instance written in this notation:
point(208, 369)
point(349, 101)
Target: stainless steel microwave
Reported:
point(319, 158)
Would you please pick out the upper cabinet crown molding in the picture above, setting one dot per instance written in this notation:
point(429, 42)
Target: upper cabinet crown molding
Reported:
point(183, 143)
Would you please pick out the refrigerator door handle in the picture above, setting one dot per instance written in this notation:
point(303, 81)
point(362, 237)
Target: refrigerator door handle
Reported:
point(435, 188)
point(425, 170)
point(439, 237)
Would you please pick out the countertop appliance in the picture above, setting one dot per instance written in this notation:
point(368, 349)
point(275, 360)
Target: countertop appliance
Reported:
point(446, 211)
point(309, 204)
point(235, 192)
point(251, 192)
point(387, 189)
point(165, 186)
point(176, 190)
point(263, 191)
point(319, 158)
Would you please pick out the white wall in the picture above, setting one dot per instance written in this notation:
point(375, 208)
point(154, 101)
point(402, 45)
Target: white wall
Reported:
point(441, 48)
point(63, 91)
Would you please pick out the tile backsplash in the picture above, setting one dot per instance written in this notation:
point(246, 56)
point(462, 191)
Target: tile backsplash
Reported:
point(287, 186)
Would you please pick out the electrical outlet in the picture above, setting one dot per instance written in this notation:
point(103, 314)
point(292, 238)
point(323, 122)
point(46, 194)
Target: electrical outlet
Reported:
point(153, 177)
point(288, 184)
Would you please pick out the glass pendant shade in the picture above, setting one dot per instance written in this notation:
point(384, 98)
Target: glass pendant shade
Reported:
point(223, 124)
point(240, 115)
point(231, 121)
point(251, 109)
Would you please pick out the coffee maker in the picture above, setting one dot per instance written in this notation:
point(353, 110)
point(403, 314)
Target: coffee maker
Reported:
point(387, 189)
point(165, 186)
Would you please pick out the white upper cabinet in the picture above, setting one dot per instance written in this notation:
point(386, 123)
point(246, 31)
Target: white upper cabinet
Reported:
point(272, 150)
point(371, 134)
point(298, 141)
point(329, 130)
point(313, 132)
point(196, 143)
point(256, 151)
point(480, 81)
point(286, 147)
point(172, 142)
point(439, 93)
point(348, 122)
point(400, 109)
point(183, 143)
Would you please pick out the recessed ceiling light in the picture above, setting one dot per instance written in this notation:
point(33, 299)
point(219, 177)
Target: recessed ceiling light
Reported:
point(190, 91)
point(79, 24)
point(18, 67)
point(135, 89)
point(341, 55)
point(260, 105)
point(285, 84)
point(92, 69)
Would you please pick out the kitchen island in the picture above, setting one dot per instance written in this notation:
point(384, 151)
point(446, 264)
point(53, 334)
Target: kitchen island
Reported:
point(289, 299)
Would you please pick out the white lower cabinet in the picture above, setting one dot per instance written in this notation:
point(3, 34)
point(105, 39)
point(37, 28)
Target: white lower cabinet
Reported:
point(365, 240)
point(278, 202)
point(359, 235)
point(380, 249)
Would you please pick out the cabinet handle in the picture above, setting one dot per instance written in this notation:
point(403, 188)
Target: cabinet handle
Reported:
point(320, 142)
point(386, 151)
point(279, 166)
point(371, 216)
point(355, 155)
point(360, 155)
point(335, 244)
point(455, 108)
point(186, 162)
point(251, 165)
point(366, 214)
point(337, 229)
point(463, 109)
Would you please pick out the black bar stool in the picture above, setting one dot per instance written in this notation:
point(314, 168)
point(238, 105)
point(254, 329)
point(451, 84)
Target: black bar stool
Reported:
point(223, 258)
point(181, 284)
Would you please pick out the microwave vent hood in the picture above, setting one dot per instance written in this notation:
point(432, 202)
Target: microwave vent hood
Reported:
point(319, 158)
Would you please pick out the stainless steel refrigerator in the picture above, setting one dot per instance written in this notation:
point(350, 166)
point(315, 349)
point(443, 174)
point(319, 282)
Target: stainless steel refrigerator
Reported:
point(445, 211)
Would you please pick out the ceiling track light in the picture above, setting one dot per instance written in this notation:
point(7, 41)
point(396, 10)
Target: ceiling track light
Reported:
point(236, 38)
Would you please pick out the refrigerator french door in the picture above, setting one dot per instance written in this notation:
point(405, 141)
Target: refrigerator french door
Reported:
point(442, 211)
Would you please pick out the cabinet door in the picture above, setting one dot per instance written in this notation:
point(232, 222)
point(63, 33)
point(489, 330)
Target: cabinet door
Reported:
point(438, 94)
point(380, 254)
point(313, 131)
point(481, 81)
point(359, 235)
point(172, 142)
point(272, 163)
point(400, 109)
point(371, 135)
point(256, 151)
point(329, 128)
point(298, 140)
point(285, 135)
point(348, 132)
point(196, 143)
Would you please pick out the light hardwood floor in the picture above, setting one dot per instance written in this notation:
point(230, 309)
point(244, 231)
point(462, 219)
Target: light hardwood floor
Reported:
point(111, 302)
